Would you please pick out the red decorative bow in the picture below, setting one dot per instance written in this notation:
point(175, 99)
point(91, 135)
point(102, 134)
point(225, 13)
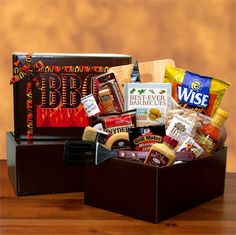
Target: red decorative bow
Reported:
point(27, 71)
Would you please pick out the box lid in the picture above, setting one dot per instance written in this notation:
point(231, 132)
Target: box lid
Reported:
point(48, 88)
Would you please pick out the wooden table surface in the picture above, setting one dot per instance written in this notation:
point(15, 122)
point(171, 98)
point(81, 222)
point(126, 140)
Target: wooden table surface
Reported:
point(67, 214)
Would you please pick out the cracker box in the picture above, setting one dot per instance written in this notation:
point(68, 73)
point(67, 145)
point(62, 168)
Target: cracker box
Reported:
point(48, 89)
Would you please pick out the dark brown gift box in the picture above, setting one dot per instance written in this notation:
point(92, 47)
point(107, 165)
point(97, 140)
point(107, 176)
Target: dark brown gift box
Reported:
point(38, 168)
point(47, 110)
point(151, 194)
point(48, 89)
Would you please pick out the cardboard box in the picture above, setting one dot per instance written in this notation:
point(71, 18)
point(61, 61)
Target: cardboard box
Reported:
point(38, 168)
point(151, 194)
point(48, 89)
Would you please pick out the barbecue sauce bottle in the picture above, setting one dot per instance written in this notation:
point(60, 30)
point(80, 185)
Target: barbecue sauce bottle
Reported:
point(209, 135)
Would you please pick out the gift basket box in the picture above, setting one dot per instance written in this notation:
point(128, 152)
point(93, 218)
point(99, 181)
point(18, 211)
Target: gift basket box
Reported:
point(154, 194)
point(48, 89)
point(163, 154)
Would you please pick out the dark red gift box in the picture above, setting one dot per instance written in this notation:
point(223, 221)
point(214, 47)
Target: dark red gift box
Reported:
point(48, 89)
point(47, 110)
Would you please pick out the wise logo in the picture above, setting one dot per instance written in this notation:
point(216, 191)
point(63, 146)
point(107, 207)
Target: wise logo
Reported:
point(194, 90)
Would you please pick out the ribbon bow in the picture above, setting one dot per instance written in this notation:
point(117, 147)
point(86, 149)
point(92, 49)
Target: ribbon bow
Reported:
point(27, 71)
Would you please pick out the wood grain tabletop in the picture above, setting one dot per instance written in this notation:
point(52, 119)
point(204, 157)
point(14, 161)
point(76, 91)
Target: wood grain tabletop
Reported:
point(67, 214)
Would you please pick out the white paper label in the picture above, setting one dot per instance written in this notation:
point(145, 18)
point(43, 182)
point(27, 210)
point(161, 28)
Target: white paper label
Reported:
point(90, 105)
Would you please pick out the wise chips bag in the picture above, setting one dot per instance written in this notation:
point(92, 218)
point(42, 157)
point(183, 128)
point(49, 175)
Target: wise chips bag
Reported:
point(200, 93)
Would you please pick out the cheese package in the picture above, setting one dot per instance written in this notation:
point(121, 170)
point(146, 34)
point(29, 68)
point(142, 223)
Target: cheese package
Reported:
point(118, 141)
point(200, 93)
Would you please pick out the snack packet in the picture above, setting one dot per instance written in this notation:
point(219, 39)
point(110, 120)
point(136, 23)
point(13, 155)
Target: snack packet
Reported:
point(142, 138)
point(190, 119)
point(179, 128)
point(200, 93)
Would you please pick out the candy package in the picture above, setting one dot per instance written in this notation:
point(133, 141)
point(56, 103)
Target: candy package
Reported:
point(200, 93)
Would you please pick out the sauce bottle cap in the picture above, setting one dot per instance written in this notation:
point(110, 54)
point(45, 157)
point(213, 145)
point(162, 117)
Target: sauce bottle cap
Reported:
point(219, 117)
point(174, 142)
point(171, 141)
point(167, 139)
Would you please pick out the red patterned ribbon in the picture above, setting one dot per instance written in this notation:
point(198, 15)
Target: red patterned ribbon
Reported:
point(26, 71)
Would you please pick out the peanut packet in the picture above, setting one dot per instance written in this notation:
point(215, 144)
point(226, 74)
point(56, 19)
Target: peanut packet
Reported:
point(180, 128)
point(186, 120)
